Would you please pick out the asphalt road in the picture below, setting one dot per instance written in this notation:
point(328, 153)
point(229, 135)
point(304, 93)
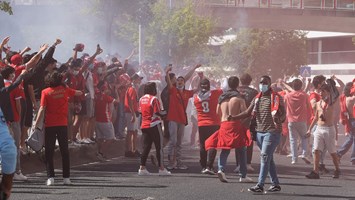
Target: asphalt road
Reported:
point(118, 179)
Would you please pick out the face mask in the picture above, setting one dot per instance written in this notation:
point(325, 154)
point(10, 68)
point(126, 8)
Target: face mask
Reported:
point(99, 70)
point(263, 88)
point(75, 72)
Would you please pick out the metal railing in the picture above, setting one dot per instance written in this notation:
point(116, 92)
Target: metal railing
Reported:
point(297, 4)
point(331, 57)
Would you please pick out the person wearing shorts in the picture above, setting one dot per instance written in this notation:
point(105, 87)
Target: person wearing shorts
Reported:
point(324, 135)
point(131, 111)
point(104, 130)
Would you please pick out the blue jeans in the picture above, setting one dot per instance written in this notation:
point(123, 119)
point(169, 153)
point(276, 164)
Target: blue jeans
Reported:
point(119, 124)
point(298, 130)
point(267, 142)
point(242, 153)
point(8, 150)
point(350, 140)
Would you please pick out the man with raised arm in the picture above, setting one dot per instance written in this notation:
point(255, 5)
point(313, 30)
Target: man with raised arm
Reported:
point(325, 134)
point(178, 98)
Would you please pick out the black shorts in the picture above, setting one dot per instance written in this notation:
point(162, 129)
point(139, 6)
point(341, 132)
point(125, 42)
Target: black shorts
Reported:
point(28, 114)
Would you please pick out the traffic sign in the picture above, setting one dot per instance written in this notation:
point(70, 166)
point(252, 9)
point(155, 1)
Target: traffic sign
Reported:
point(305, 71)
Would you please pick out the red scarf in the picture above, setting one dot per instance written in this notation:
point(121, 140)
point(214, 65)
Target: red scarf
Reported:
point(275, 103)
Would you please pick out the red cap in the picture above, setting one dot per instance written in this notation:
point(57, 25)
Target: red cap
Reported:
point(16, 59)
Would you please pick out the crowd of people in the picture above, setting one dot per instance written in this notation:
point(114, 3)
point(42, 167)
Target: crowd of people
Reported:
point(89, 99)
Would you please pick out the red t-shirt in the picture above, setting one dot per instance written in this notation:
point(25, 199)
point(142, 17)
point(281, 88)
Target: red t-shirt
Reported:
point(56, 102)
point(125, 81)
point(177, 110)
point(14, 95)
point(18, 70)
point(149, 105)
point(77, 83)
point(206, 107)
point(131, 95)
point(102, 107)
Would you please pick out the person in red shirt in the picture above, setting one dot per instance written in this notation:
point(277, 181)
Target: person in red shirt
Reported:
point(131, 115)
point(54, 110)
point(298, 115)
point(105, 133)
point(8, 74)
point(150, 109)
point(208, 122)
point(178, 99)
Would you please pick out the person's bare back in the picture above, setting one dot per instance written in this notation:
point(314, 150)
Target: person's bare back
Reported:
point(232, 106)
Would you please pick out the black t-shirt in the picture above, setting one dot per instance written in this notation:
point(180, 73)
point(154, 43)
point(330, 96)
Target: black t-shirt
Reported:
point(248, 94)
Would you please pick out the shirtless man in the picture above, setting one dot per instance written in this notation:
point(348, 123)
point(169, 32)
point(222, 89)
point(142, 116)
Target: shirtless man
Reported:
point(324, 135)
point(232, 134)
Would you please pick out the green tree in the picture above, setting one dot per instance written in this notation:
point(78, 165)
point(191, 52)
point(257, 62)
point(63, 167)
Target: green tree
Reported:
point(179, 32)
point(261, 51)
point(176, 35)
point(6, 7)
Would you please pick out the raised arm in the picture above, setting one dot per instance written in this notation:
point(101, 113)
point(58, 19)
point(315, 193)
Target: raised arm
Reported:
point(168, 81)
point(91, 59)
point(2, 45)
point(134, 51)
point(340, 82)
point(34, 60)
point(26, 49)
point(14, 85)
point(287, 87)
point(191, 72)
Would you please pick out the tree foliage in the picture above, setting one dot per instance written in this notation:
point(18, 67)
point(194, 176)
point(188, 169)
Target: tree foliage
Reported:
point(6, 7)
point(175, 34)
point(261, 51)
point(181, 30)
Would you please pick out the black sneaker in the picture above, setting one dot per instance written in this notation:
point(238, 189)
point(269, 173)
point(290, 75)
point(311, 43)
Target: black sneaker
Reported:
point(312, 175)
point(137, 154)
point(322, 169)
point(129, 154)
point(256, 189)
point(274, 188)
point(336, 174)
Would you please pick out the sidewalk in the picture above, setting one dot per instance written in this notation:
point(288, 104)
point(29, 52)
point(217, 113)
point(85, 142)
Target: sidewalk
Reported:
point(79, 154)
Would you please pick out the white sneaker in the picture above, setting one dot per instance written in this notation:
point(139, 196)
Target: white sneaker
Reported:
point(50, 182)
point(20, 177)
point(250, 168)
point(164, 172)
point(289, 156)
point(222, 176)
point(66, 181)
point(143, 172)
point(294, 162)
point(245, 180)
